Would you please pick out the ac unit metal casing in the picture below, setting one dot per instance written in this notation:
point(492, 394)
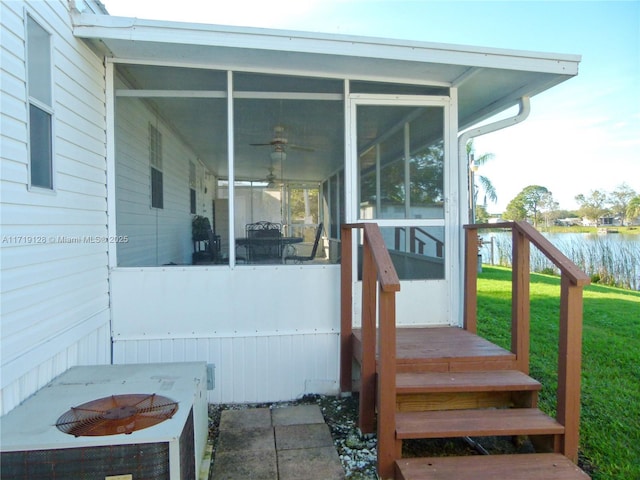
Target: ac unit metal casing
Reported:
point(32, 447)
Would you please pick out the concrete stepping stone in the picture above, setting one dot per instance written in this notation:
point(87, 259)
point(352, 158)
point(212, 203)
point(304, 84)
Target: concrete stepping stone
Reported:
point(310, 464)
point(295, 415)
point(290, 437)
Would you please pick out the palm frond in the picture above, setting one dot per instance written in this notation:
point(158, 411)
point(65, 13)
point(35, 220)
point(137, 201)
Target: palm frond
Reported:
point(488, 188)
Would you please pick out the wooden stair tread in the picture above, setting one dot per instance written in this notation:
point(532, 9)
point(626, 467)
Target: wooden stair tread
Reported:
point(480, 381)
point(416, 345)
point(460, 423)
point(534, 466)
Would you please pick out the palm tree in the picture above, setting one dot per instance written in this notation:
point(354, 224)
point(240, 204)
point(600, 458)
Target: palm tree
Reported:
point(633, 209)
point(485, 183)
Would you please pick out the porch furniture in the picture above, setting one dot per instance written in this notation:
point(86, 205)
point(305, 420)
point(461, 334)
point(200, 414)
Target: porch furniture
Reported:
point(263, 241)
point(256, 243)
point(206, 250)
point(298, 258)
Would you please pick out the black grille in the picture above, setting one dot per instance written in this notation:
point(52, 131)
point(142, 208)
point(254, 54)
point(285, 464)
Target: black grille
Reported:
point(148, 461)
point(187, 450)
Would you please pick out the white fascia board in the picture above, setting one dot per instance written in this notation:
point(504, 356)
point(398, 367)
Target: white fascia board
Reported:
point(104, 27)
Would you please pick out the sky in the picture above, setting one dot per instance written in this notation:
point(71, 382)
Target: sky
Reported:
point(582, 135)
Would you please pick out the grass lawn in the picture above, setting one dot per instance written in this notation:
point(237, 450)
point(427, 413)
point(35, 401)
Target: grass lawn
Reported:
point(610, 421)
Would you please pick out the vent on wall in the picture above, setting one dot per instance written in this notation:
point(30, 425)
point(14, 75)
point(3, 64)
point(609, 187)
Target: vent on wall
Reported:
point(33, 447)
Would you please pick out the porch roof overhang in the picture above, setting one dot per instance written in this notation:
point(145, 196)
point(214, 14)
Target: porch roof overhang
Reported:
point(488, 80)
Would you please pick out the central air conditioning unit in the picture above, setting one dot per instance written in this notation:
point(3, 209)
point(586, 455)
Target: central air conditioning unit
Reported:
point(111, 422)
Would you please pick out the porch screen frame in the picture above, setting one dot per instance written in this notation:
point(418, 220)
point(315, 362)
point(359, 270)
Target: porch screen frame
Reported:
point(451, 223)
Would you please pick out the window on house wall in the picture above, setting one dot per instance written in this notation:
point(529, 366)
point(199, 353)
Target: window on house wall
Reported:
point(192, 187)
point(40, 105)
point(155, 160)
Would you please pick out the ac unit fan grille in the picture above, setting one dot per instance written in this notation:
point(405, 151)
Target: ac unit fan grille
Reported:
point(116, 414)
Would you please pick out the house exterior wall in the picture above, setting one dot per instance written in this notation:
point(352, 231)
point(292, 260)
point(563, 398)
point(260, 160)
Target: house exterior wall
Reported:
point(272, 333)
point(54, 289)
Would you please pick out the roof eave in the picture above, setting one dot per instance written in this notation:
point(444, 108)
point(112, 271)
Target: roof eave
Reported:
point(104, 27)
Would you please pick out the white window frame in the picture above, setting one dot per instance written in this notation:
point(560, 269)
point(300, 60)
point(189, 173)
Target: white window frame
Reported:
point(41, 105)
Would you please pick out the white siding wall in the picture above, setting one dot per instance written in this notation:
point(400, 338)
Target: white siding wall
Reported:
point(54, 294)
point(250, 369)
point(155, 236)
point(272, 333)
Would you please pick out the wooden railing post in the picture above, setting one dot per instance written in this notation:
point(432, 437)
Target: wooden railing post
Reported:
point(368, 362)
point(520, 299)
point(569, 365)
point(346, 310)
point(471, 280)
point(387, 445)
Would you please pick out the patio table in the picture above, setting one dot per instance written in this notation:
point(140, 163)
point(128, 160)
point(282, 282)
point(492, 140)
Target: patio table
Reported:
point(281, 242)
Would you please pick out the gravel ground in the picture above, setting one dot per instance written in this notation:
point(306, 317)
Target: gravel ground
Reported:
point(358, 452)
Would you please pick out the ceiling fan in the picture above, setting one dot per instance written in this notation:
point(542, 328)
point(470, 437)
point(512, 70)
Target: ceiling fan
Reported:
point(280, 143)
point(271, 179)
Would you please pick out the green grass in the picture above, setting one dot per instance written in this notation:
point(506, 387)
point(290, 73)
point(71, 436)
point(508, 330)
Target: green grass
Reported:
point(610, 420)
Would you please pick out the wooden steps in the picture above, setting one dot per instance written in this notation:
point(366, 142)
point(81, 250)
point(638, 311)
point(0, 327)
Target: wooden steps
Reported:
point(479, 381)
point(435, 382)
point(463, 390)
point(534, 466)
point(450, 383)
point(475, 423)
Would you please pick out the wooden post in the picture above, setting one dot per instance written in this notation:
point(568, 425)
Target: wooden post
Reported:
point(368, 364)
point(471, 280)
point(520, 300)
point(569, 365)
point(346, 310)
point(387, 387)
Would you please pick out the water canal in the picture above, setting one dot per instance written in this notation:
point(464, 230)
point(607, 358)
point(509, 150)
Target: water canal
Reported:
point(612, 259)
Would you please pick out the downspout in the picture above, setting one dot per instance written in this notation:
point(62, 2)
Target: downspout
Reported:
point(463, 138)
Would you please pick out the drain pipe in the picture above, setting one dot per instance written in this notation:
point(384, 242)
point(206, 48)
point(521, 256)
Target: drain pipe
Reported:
point(463, 138)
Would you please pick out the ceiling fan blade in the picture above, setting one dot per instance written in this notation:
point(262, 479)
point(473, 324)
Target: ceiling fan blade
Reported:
point(261, 144)
point(300, 147)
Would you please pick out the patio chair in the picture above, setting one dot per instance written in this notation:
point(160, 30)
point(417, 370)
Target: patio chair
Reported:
point(211, 251)
point(263, 241)
point(314, 250)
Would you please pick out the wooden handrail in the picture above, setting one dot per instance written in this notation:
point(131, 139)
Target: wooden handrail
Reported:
point(379, 282)
point(559, 259)
point(572, 282)
point(386, 272)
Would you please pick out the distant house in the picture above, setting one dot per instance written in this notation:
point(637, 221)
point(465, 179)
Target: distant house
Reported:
point(568, 222)
point(116, 132)
point(602, 221)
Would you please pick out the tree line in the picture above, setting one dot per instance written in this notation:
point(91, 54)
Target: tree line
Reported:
point(535, 203)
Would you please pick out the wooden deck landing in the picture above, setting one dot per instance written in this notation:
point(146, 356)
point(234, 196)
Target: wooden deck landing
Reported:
point(443, 349)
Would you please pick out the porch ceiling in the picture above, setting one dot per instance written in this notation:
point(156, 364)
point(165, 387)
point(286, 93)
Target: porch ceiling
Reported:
point(488, 80)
